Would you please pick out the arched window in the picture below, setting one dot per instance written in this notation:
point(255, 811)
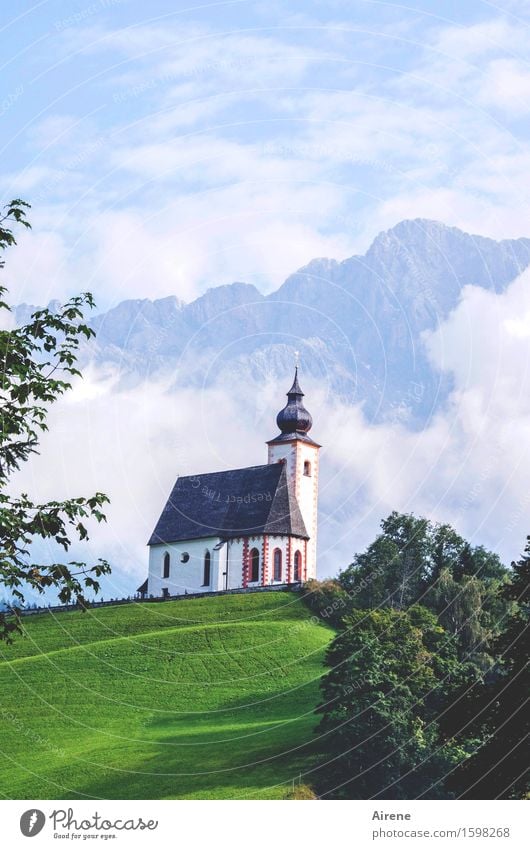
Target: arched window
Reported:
point(277, 564)
point(297, 565)
point(165, 571)
point(206, 572)
point(307, 468)
point(254, 564)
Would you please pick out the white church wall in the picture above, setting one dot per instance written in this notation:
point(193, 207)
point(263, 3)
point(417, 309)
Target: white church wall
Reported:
point(235, 564)
point(283, 544)
point(306, 490)
point(235, 559)
point(221, 571)
point(296, 454)
point(183, 576)
point(226, 564)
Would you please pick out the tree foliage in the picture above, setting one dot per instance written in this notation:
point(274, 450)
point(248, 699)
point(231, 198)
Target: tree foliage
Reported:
point(498, 706)
point(391, 675)
point(416, 561)
point(37, 363)
point(427, 691)
point(328, 600)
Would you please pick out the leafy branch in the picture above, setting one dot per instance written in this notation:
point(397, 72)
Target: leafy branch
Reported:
point(37, 363)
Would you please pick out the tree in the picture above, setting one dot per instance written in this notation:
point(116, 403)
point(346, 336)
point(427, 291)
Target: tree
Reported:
point(395, 565)
point(416, 561)
point(499, 706)
point(392, 673)
point(462, 608)
point(37, 362)
point(327, 599)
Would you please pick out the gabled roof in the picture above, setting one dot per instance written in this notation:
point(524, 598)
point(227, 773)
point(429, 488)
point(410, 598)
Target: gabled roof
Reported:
point(236, 503)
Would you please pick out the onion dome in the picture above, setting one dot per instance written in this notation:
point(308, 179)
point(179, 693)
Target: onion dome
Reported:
point(294, 417)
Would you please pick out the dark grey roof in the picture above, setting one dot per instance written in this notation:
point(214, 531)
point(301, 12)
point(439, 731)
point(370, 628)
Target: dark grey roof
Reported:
point(236, 503)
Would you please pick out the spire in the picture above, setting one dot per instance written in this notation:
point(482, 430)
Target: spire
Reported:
point(294, 418)
point(295, 388)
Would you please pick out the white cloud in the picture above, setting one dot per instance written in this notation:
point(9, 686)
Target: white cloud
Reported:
point(25, 182)
point(472, 212)
point(37, 268)
point(231, 203)
point(52, 128)
point(506, 86)
point(483, 344)
point(476, 40)
point(471, 466)
point(295, 144)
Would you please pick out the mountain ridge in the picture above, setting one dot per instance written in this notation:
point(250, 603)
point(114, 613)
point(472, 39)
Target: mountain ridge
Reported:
point(359, 323)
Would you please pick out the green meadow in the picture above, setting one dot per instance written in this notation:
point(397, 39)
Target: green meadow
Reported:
point(209, 698)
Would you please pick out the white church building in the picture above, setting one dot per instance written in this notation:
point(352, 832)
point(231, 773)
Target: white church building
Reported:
point(243, 527)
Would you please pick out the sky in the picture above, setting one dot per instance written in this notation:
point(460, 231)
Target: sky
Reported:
point(175, 146)
point(170, 147)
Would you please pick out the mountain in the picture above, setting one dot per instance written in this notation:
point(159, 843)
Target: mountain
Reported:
point(358, 323)
point(373, 309)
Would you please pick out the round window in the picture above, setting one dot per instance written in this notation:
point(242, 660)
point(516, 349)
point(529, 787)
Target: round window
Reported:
point(184, 557)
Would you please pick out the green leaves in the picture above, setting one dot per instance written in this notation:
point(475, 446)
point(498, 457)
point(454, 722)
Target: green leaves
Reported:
point(37, 362)
point(13, 211)
point(383, 694)
point(414, 560)
point(497, 708)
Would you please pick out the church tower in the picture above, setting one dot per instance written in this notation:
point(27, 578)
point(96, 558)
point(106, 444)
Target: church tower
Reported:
point(300, 453)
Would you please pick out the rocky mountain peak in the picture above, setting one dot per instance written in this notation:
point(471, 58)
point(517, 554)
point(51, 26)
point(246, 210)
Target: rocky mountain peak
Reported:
point(360, 324)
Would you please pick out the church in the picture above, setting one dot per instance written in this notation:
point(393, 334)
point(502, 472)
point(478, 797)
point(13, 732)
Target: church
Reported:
point(249, 527)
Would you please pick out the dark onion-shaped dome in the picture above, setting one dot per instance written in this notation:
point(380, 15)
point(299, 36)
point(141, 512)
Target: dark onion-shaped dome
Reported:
point(294, 418)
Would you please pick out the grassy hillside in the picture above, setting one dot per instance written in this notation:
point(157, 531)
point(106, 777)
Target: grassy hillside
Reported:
point(210, 698)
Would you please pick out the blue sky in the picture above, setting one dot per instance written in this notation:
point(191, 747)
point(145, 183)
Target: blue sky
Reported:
point(169, 147)
point(174, 146)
